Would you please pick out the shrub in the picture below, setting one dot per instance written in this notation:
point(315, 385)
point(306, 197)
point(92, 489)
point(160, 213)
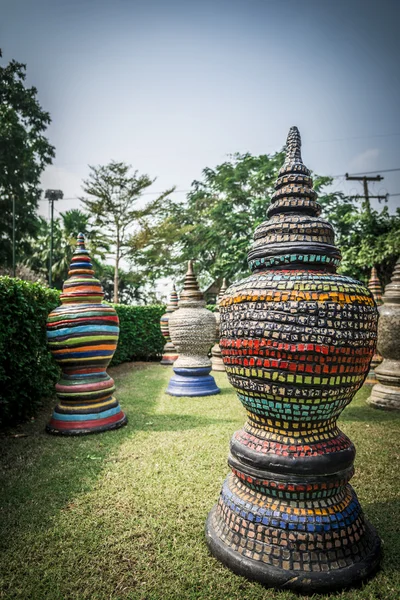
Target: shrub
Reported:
point(27, 370)
point(140, 335)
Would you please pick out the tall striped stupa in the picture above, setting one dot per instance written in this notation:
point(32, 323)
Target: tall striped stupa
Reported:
point(296, 339)
point(82, 335)
point(374, 286)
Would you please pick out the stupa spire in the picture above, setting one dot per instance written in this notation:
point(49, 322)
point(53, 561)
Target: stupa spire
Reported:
point(81, 286)
point(191, 290)
point(223, 289)
point(293, 146)
point(295, 234)
point(374, 286)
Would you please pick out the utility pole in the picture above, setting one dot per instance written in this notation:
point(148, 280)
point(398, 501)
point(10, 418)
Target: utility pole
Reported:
point(13, 234)
point(366, 196)
point(52, 195)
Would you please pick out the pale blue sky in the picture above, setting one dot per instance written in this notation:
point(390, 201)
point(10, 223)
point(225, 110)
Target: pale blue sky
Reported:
point(173, 86)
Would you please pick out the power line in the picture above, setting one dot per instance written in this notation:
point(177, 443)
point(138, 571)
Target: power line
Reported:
point(368, 172)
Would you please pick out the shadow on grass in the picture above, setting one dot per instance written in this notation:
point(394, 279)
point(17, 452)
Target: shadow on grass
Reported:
point(384, 516)
point(41, 473)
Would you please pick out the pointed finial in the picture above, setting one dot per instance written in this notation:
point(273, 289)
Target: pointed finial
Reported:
point(173, 300)
point(191, 290)
point(81, 285)
point(294, 186)
point(293, 146)
point(374, 286)
point(294, 234)
point(222, 291)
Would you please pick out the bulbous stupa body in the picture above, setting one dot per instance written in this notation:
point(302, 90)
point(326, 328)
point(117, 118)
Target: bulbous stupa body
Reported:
point(374, 286)
point(216, 355)
point(296, 340)
point(386, 393)
point(170, 353)
point(82, 335)
point(192, 331)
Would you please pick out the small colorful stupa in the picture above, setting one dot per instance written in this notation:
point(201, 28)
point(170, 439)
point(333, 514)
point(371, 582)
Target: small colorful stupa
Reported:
point(192, 331)
point(82, 335)
point(169, 353)
point(216, 356)
point(374, 286)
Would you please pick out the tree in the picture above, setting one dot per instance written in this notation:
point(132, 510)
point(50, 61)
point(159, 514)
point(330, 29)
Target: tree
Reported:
point(365, 236)
point(113, 193)
point(215, 225)
point(129, 284)
point(65, 231)
point(24, 154)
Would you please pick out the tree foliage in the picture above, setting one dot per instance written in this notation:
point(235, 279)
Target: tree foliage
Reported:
point(65, 231)
point(24, 154)
point(129, 284)
point(112, 196)
point(365, 236)
point(216, 224)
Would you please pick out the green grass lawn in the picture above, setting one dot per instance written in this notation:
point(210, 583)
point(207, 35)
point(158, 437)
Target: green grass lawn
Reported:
point(121, 514)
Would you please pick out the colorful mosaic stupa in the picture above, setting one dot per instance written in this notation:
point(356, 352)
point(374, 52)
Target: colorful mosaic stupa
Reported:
point(374, 286)
point(82, 335)
point(216, 356)
point(192, 331)
point(386, 393)
point(169, 352)
point(296, 340)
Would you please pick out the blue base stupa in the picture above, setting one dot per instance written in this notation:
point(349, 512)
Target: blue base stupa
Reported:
point(192, 331)
point(192, 382)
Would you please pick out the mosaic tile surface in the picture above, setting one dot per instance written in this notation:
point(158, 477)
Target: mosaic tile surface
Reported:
point(297, 340)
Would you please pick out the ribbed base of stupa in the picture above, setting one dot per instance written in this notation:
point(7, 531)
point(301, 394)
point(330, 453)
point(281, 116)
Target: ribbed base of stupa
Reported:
point(217, 364)
point(168, 359)
point(307, 546)
point(170, 354)
point(192, 382)
point(386, 393)
point(385, 397)
point(82, 423)
point(371, 377)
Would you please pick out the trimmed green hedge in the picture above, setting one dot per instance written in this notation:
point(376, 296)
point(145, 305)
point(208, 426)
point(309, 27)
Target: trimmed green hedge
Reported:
point(27, 370)
point(140, 335)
